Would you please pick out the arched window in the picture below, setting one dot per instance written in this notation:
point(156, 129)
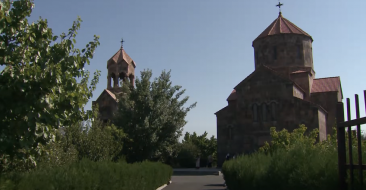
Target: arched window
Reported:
point(115, 83)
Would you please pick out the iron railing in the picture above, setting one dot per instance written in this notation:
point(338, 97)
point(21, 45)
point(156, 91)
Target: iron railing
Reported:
point(341, 140)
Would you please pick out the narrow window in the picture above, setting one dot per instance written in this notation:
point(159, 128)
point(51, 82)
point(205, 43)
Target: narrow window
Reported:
point(256, 57)
point(275, 53)
point(298, 52)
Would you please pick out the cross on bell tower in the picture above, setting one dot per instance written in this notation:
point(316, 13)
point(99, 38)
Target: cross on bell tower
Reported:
point(279, 6)
point(122, 43)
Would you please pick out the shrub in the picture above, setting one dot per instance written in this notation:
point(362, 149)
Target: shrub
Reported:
point(89, 175)
point(187, 155)
point(292, 161)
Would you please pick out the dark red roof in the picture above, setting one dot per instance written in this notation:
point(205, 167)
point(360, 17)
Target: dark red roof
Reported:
point(330, 84)
point(282, 26)
point(122, 55)
point(232, 96)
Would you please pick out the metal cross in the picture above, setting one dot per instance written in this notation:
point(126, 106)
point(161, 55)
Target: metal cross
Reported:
point(122, 43)
point(279, 5)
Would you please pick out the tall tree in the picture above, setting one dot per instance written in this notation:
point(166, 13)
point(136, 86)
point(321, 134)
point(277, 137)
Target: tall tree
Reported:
point(39, 87)
point(152, 115)
point(207, 146)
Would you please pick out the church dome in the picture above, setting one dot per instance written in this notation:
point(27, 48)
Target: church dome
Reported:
point(282, 26)
point(283, 45)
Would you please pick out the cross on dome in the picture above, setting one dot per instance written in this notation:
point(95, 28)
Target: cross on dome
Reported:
point(279, 6)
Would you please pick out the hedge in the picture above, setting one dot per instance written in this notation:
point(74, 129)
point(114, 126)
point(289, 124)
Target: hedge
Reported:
point(89, 175)
point(292, 161)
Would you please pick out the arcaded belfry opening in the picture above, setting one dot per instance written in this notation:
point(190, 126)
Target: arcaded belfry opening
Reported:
point(122, 76)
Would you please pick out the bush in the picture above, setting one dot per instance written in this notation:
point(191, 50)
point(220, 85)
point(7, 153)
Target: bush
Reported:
point(89, 175)
point(187, 155)
point(291, 161)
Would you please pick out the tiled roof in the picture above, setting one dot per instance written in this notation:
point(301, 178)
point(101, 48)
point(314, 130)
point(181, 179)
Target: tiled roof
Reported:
point(282, 26)
point(232, 96)
point(330, 84)
point(122, 55)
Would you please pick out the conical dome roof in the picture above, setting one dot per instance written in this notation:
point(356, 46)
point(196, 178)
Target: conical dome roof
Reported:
point(282, 26)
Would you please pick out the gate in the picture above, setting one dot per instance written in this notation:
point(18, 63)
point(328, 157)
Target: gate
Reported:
point(341, 140)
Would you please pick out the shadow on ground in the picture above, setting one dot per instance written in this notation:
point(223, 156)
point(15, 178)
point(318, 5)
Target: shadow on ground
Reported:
point(202, 182)
point(195, 172)
point(214, 185)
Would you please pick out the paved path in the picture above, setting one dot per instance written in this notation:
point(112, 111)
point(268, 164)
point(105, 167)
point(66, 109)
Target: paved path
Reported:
point(202, 182)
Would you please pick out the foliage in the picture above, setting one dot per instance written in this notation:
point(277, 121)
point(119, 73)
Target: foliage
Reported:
point(187, 155)
point(39, 87)
point(285, 140)
point(194, 145)
point(292, 161)
point(89, 175)
point(95, 141)
point(152, 115)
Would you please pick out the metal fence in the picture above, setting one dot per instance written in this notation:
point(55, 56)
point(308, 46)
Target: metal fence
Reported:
point(341, 140)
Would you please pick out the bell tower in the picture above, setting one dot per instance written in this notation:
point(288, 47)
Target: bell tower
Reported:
point(120, 67)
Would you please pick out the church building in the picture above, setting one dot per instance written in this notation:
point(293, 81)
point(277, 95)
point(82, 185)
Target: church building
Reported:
point(281, 92)
point(120, 67)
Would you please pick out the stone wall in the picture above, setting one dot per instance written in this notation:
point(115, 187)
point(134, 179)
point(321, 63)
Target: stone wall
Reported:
point(305, 81)
point(298, 93)
point(290, 50)
point(322, 125)
point(327, 100)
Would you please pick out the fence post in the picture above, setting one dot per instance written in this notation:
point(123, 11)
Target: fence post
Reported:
point(341, 140)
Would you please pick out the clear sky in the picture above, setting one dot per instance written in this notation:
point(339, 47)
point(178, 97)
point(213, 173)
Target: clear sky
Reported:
point(207, 44)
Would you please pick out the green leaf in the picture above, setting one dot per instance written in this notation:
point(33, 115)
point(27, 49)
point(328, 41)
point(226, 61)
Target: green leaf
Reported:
point(42, 80)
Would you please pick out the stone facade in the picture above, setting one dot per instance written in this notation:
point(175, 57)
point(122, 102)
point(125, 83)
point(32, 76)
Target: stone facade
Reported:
point(282, 92)
point(120, 67)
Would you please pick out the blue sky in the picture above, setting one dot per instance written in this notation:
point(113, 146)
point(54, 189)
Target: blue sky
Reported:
point(207, 44)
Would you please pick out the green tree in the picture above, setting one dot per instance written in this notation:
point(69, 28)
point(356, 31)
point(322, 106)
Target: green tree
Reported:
point(206, 146)
point(95, 140)
point(152, 115)
point(39, 87)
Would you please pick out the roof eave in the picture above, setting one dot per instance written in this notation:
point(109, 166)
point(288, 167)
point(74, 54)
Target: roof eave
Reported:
point(262, 37)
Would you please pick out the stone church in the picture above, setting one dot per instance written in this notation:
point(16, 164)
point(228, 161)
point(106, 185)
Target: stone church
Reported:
point(120, 67)
point(281, 92)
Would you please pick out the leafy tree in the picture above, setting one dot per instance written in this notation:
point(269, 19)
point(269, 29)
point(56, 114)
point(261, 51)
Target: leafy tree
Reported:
point(39, 87)
point(206, 146)
point(187, 155)
point(152, 115)
point(95, 140)
point(285, 140)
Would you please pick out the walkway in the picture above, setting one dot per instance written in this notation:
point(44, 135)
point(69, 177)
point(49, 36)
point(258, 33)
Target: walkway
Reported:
point(191, 179)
